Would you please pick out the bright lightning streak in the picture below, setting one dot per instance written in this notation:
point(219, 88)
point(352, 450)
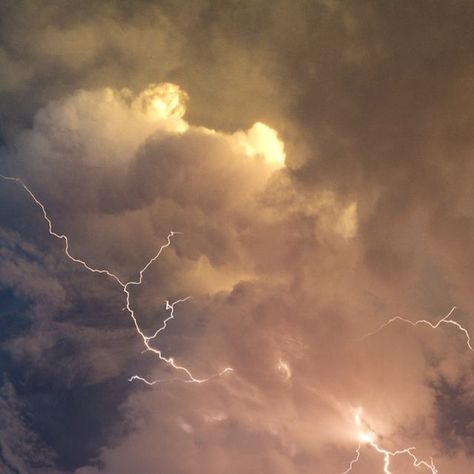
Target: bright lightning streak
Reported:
point(153, 382)
point(169, 307)
point(62, 236)
point(369, 437)
point(446, 320)
point(353, 461)
point(126, 290)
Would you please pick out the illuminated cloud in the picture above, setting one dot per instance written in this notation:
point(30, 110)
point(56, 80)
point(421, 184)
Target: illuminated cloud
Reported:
point(261, 140)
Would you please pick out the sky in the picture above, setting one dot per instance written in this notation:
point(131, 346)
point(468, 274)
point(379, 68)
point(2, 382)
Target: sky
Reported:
point(236, 236)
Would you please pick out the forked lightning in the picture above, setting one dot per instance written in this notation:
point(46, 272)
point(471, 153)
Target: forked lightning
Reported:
point(368, 437)
point(445, 320)
point(189, 377)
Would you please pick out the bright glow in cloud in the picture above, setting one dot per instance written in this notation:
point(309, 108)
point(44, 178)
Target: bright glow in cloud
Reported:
point(367, 436)
point(346, 225)
point(262, 140)
point(164, 101)
point(284, 369)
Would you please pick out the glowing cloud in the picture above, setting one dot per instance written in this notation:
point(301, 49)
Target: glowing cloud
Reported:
point(283, 369)
point(367, 436)
point(261, 140)
point(163, 101)
point(98, 119)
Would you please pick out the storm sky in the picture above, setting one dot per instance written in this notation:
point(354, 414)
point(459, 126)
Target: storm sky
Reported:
point(316, 158)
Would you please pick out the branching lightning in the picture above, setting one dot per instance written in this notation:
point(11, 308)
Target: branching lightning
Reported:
point(126, 286)
point(355, 460)
point(367, 436)
point(446, 320)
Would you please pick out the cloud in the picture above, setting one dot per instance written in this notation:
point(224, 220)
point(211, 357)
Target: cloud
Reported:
point(317, 160)
point(257, 250)
point(20, 448)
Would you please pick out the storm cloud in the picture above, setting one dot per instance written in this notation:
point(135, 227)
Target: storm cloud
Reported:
point(315, 158)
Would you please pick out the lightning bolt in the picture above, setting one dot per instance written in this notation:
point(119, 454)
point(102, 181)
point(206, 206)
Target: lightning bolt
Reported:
point(126, 288)
point(445, 320)
point(190, 380)
point(368, 437)
point(354, 461)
